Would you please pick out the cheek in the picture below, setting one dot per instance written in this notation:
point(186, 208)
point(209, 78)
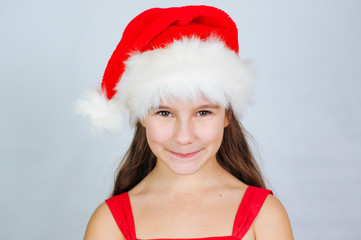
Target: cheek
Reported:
point(212, 133)
point(158, 134)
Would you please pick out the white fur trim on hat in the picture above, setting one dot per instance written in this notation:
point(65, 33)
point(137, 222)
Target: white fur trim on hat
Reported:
point(186, 69)
point(99, 114)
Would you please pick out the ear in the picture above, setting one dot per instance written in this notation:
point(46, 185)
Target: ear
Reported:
point(228, 116)
point(143, 123)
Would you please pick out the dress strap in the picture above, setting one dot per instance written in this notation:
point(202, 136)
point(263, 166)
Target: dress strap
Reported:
point(122, 212)
point(250, 206)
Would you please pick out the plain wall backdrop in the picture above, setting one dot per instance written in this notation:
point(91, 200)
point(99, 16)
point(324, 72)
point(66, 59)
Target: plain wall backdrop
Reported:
point(305, 115)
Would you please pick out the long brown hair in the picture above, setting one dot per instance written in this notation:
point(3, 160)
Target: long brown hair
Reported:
point(234, 155)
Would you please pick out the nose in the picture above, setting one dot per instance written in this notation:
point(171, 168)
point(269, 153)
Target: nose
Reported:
point(184, 131)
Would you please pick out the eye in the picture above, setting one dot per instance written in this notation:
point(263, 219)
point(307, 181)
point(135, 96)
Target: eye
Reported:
point(203, 113)
point(164, 114)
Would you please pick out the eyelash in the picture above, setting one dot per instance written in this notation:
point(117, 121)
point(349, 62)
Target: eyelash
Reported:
point(163, 113)
point(204, 113)
point(168, 114)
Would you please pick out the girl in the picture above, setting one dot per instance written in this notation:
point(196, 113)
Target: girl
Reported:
point(189, 173)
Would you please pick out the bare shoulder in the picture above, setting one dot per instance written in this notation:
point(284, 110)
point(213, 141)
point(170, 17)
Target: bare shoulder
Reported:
point(272, 221)
point(102, 225)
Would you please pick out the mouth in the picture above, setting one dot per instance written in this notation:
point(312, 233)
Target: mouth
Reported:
point(186, 155)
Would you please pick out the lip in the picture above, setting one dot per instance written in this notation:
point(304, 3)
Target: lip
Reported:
point(186, 155)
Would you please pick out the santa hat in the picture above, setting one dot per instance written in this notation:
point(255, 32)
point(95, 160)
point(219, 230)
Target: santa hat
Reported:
point(180, 52)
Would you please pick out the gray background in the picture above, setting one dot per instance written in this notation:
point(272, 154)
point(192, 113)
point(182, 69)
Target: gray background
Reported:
point(305, 117)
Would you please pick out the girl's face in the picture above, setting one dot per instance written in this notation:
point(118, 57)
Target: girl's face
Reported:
point(184, 136)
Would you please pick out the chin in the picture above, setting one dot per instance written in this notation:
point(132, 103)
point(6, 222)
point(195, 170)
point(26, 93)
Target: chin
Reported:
point(185, 167)
point(185, 170)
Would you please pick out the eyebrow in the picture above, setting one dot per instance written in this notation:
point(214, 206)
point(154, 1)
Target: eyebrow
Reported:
point(209, 106)
point(198, 107)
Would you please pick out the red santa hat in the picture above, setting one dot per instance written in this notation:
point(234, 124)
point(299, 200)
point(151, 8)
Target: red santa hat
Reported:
point(179, 52)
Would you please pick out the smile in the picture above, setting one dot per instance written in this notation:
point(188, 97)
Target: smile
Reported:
point(187, 155)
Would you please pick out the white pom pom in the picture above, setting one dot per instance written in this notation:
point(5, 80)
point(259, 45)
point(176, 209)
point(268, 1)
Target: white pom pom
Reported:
point(99, 114)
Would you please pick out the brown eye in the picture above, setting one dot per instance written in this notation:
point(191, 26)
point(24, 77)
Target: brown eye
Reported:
point(203, 113)
point(164, 113)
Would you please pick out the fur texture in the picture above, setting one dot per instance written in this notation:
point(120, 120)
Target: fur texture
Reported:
point(99, 114)
point(186, 69)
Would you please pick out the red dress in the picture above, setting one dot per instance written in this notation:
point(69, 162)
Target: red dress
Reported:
point(249, 207)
